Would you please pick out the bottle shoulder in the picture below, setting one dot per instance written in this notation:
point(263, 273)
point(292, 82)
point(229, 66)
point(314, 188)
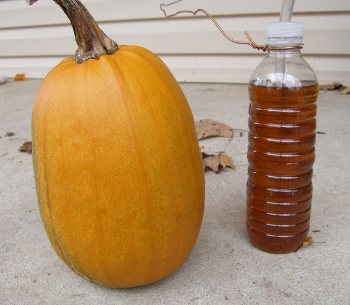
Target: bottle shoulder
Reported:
point(283, 70)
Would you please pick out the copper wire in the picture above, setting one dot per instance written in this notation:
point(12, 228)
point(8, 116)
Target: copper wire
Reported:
point(250, 42)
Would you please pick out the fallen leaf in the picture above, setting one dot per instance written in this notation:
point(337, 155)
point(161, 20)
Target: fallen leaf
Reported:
point(209, 128)
point(333, 86)
point(226, 161)
point(345, 90)
point(26, 147)
point(212, 163)
point(9, 134)
point(217, 163)
point(20, 76)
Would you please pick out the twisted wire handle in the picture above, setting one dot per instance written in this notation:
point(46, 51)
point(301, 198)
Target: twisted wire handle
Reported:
point(287, 11)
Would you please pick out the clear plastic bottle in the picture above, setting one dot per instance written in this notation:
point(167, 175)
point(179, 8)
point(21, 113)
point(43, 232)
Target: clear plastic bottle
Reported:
point(282, 121)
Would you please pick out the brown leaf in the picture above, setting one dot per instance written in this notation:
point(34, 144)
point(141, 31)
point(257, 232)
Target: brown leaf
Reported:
point(212, 163)
point(334, 86)
point(345, 90)
point(26, 147)
point(20, 76)
point(217, 163)
point(226, 161)
point(209, 128)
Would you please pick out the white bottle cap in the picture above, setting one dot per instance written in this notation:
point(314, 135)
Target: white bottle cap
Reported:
point(285, 33)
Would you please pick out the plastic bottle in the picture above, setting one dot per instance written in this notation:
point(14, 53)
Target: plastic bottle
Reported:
point(283, 92)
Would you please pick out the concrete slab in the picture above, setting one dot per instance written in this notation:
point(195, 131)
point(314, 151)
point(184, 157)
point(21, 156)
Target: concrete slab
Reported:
point(223, 268)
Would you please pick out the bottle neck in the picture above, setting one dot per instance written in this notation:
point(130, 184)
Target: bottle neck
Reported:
point(283, 53)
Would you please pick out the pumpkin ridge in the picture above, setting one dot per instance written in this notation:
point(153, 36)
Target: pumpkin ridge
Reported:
point(169, 154)
point(159, 66)
point(68, 72)
point(85, 71)
point(139, 60)
point(163, 71)
point(49, 227)
point(119, 76)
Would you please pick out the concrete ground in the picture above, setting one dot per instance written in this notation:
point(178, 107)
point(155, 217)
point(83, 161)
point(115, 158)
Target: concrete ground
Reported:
point(223, 268)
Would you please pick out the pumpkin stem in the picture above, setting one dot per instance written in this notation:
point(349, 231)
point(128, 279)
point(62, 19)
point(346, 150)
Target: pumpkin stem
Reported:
point(92, 41)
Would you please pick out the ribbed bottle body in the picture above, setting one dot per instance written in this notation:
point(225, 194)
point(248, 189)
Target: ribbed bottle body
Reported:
point(281, 154)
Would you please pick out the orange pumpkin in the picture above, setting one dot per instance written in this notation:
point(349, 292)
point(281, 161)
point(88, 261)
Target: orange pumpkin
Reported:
point(117, 165)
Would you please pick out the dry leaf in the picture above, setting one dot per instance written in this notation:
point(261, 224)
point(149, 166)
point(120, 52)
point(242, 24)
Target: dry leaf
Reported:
point(26, 147)
point(209, 128)
point(226, 161)
point(334, 86)
point(212, 163)
point(9, 134)
point(20, 76)
point(345, 90)
point(216, 163)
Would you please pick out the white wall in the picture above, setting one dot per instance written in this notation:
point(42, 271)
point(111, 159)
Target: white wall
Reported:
point(34, 39)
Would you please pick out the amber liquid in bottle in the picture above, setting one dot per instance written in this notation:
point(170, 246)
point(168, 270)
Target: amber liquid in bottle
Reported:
point(281, 154)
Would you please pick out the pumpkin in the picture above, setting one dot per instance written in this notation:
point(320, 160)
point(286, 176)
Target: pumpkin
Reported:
point(117, 164)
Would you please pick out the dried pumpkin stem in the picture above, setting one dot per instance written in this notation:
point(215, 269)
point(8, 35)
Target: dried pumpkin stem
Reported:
point(92, 41)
